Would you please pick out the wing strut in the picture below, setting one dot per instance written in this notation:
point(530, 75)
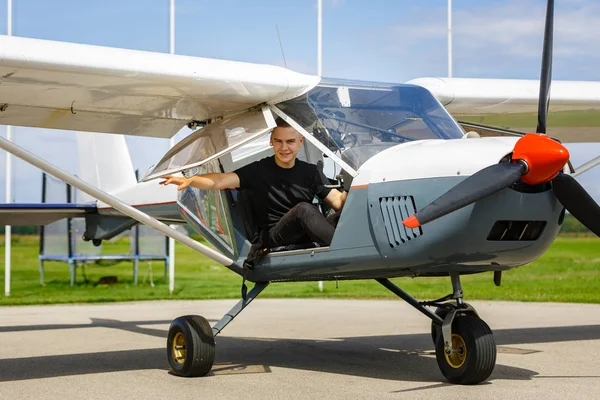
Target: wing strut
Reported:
point(113, 202)
point(587, 166)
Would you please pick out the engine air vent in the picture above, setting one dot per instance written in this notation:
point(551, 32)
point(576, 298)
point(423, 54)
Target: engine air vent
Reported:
point(394, 210)
point(516, 230)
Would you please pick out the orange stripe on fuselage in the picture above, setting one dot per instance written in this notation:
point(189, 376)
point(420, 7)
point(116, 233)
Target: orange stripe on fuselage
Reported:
point(360, 186)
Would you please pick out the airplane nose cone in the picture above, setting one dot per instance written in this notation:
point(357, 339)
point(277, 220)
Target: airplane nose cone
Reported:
point(544, 156)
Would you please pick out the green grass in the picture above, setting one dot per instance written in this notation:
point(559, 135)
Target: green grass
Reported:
point(568, 272)
point(574, 118)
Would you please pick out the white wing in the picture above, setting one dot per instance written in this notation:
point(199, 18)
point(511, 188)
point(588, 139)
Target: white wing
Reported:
point(90, 88)
point(512, 104)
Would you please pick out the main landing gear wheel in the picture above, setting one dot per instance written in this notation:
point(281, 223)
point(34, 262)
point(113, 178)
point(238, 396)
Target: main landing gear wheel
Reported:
point(190, 346)
point(473, 357)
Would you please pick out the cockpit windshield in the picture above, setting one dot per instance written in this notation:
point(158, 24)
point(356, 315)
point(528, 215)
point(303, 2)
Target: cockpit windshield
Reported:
point(358, 121)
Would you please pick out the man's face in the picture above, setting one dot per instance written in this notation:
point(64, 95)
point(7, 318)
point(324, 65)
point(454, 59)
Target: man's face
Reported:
point(286, 143)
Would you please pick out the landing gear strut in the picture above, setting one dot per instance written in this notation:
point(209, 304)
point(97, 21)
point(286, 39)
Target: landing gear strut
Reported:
point(444, 307)
point(464, 344)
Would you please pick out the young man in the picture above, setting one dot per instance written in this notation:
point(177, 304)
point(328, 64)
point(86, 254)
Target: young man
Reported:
point(283, 189)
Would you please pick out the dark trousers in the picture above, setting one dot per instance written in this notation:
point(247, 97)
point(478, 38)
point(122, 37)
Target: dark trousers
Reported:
point(303, 224)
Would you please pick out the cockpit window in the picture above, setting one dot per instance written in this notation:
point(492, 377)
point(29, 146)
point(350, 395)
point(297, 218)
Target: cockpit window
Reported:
point(360, 121)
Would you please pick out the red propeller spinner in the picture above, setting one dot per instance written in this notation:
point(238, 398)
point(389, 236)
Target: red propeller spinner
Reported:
point(545, 157)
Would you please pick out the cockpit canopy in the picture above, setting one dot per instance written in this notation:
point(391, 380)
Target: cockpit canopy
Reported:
point(358, 121)
point(352, 121)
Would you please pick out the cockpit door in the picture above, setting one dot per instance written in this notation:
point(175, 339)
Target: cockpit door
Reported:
point(214, 141)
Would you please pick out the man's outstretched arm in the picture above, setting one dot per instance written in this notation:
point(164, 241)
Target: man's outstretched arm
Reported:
point(227, 180)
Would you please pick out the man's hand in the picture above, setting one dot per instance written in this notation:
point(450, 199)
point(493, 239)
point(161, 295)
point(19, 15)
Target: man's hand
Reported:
point(336, 199)
point(181, 182)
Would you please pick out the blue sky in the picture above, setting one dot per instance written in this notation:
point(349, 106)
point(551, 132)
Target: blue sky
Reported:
point(381, 40)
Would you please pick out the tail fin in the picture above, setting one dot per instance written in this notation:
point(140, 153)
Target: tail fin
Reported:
point(104, 162)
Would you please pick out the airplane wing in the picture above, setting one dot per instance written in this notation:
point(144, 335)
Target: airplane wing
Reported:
point(41, 213)
point(80, 87)
point(495, 107)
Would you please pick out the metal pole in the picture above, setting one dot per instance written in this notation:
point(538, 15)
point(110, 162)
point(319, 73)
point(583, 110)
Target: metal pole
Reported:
point(113, 201)
point(7, 228)
point(172, 28)
point(72, 262)
point(41, 256)
point(449, 38)
point(319, 35)
point(320, 60)
point(171, 143)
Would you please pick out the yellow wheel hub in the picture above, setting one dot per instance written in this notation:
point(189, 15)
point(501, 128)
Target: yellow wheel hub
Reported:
point(179, 350)
point(456, 358)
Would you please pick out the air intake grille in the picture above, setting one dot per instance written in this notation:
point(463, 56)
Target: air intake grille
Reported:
point(516, 230)
point(394, 210)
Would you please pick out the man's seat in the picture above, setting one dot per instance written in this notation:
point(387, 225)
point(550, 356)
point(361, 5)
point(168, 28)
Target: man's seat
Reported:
point(246, 200)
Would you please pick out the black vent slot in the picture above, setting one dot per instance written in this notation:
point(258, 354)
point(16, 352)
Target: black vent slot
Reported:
point(394, 210)
point(516, 230)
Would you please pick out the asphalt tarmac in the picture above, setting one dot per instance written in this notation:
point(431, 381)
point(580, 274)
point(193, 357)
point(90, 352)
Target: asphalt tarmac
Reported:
point(292, 349)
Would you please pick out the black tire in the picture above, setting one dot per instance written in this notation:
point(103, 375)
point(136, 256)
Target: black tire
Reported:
point(478, 358)
point(435, 328)
point(190, 346)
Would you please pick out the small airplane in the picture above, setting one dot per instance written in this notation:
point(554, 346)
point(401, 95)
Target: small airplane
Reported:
point(425, 198)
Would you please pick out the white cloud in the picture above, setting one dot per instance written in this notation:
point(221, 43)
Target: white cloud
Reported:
point(502, 39)
point(517, 27)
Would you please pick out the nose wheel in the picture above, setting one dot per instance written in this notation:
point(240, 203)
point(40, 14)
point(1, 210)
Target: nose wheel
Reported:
point(472, 355)
point(464, 344)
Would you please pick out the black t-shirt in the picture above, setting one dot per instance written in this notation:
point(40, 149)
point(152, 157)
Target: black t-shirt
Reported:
point(277, 190)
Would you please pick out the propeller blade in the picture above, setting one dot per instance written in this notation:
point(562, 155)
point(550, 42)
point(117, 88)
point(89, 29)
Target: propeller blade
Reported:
point(479, 185)
point(577, 201)
point(546, 74)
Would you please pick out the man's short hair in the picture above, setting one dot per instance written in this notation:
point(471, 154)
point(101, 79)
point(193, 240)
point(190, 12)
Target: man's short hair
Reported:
point(281, 123)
